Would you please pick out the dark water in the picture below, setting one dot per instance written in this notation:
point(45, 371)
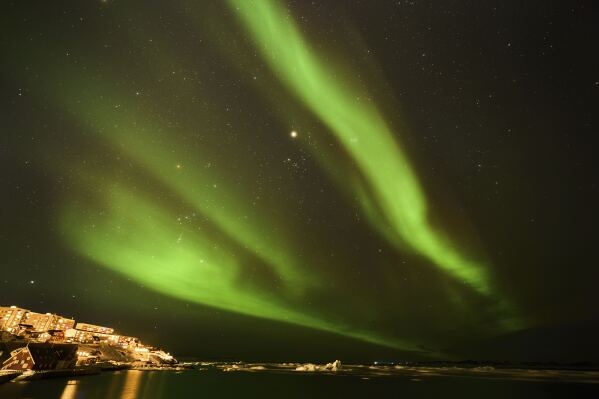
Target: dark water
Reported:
point(217, 384)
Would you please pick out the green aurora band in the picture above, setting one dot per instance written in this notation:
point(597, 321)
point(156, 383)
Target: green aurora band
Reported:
point(135, 234)
point(134, 133)
point(127, 232)
point(141, 240)
point(361, 130)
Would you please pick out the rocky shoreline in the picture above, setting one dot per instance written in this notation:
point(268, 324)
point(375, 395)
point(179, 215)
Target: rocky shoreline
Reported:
point(25, 360)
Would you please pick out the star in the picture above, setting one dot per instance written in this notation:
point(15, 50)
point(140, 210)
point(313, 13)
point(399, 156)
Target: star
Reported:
point(293, 134)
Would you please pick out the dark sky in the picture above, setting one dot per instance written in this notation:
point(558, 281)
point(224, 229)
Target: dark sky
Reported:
point(305, 179)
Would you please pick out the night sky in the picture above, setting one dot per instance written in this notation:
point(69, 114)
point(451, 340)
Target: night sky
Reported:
point(305, 179)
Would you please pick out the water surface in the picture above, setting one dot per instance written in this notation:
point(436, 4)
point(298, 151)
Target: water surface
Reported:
point(267, 383)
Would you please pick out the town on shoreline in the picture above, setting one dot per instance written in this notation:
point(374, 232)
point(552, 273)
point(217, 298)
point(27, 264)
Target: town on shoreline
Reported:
point(32, 342)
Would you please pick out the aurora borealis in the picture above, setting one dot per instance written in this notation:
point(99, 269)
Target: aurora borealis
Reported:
point(362, 132)
point(385, 177)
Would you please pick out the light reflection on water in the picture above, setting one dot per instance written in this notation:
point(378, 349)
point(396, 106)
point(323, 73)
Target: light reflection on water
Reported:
point(70, 390)
point(131, 387)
